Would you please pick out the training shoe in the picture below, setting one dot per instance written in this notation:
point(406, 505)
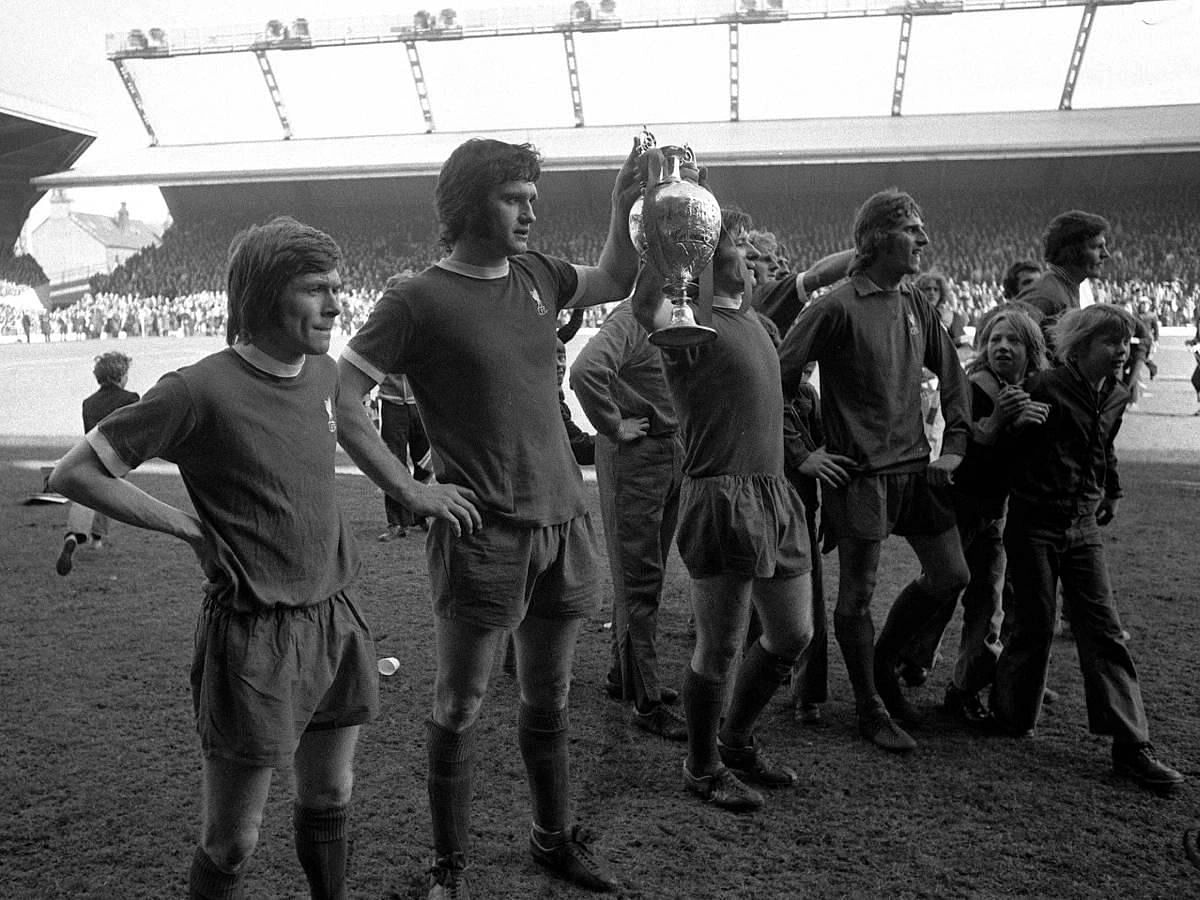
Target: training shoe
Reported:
point(63, 566)
point(724, 789)
point(809, 714)
point(1139, 763)
point(393, 533)
point(448, 878)
point(660, 720)
point(753, 763)
point(965, 706)
point(878, 728)
point(572, 859)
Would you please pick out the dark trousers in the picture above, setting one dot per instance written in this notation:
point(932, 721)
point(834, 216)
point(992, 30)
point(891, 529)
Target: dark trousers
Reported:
point(811, 679)
point(1040, 554)
point(401, 429)
point(639, 485)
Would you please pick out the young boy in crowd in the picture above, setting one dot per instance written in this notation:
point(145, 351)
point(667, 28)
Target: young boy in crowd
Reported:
point(111, 372)
point(1064, 488)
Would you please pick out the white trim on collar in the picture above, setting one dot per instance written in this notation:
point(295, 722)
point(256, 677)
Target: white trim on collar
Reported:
point(268, 364)
point(720, 302)
point(469, 271)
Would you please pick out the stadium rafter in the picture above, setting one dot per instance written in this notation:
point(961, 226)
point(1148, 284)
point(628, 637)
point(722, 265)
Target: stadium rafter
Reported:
point(581, 16)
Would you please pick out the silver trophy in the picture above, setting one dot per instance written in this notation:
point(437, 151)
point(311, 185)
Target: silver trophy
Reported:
point(675, 225)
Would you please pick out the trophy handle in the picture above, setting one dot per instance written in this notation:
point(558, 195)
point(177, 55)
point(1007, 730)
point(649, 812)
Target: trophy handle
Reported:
point(655, 164)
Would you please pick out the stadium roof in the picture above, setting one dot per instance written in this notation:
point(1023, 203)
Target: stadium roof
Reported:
point(35, 139)
point(798, 142)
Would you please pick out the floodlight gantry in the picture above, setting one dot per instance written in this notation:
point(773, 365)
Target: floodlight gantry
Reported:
point(579, 17)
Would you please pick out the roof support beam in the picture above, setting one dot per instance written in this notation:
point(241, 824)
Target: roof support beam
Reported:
point(135, 95)
point(1081, 42)
point(573, 76)
point(735, 58)
point(906, 22)
point(418, 74)
point(273, 87)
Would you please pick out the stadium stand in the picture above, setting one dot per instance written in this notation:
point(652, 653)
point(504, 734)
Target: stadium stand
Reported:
point(177, 288)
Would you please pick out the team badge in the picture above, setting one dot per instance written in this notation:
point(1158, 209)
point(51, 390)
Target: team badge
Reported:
point(329, 414)
point(913, 328)
point(537, 298)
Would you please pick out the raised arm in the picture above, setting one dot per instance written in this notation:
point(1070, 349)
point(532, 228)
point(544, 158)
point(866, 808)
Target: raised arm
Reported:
point(612, 279)
point(827, 270)
point(650, 307)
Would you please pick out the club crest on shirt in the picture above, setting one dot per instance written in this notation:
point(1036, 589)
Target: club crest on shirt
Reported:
point(537, 298)
point(913, 328)
point(329, 414)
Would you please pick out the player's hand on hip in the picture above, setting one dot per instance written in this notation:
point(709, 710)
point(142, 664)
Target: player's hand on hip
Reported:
point(633, 428)
point(941, 470)
point(833, 469)
point(206, 552)
point(457, 505)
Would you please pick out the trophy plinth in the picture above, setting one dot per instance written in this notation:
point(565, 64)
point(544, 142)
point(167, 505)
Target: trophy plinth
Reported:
point(682, 330)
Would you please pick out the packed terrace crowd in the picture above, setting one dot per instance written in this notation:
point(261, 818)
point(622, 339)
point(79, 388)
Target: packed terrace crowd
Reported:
point(177, 288)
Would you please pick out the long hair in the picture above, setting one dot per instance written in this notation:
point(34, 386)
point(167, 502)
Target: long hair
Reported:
point(1028, 332)
point(734, 221)
point(1063, 240)
point(111, 367)
point(934, 287)
point(1078, 327)
point(469, 173)
point(262, 260)
point(874, 221)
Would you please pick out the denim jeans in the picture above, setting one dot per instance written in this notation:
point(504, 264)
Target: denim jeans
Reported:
point(1041, 554)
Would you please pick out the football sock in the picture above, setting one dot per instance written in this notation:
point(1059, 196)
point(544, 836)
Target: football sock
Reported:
point(702, 701)
point(207, 882)
point(321, 847)
point(542, 735)
point(759, 677)
point(451, 770)
point(912, 611)
point(856, 638)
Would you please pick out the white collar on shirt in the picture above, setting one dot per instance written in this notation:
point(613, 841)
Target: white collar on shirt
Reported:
point(265, 363)
point(470, 271)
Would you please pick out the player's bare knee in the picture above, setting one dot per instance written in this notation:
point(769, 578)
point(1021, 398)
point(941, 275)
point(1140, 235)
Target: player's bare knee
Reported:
point(328, 792)
point(229, 850)
point(546, 691)
point(457, 712)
